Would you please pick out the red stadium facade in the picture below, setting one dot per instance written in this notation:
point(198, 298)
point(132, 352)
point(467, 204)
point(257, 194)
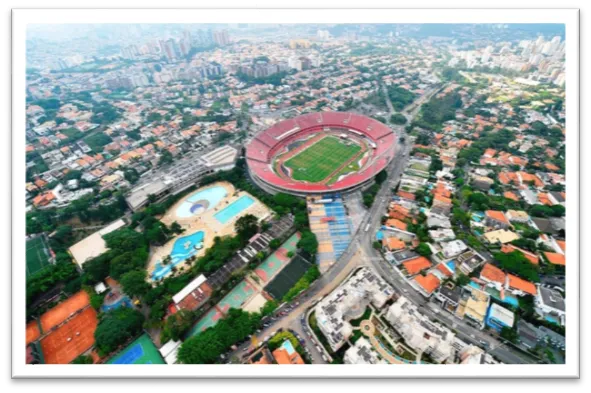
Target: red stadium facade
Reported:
point(263, 149)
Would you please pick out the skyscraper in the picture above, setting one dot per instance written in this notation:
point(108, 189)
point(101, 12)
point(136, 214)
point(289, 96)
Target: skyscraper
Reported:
point(220, 37)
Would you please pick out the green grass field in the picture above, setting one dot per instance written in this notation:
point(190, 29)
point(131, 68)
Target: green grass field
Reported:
point(321, 159)
point(37, 255)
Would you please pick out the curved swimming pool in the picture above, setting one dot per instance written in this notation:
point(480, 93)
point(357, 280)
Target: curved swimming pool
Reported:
point(201, 201)
point(183, 248)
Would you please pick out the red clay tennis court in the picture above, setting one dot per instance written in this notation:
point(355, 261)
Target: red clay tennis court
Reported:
point(71, 339)
point(33, 332)
point(62, 311)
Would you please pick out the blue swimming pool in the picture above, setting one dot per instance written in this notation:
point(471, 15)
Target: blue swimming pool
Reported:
point(512, 300)
point(183, 248)
point(123, 301)
point(451, 265)
point(288, 346)
point(201, 201)
point(234, 208)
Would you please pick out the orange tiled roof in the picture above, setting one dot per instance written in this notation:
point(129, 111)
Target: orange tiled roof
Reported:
point(561, 244)
point(497, 216)
point(544, 200)
point(393, 243)
point(395, 223)
point(406, 195)
point(416, 265)
point(555, 258)
point(429, 282)
point(444, 269)
point(521, 284)
point(442, 199)
point(510, 195)
point(492, 273)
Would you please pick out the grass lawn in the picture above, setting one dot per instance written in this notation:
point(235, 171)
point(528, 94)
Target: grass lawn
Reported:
point(352, 167)
point(321, 159)
point(37, 255)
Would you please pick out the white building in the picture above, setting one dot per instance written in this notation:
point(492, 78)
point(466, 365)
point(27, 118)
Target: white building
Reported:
point(362, 353)
point(550, 305)
point(453, 248)
point(348, 302)
point(420, 333)
point(471, 354)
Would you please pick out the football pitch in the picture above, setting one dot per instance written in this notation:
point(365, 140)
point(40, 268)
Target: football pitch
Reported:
point(321, 159)
point(37, 255)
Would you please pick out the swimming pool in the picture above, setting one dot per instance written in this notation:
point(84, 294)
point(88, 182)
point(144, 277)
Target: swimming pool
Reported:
point(124, 301)
point(288, 346)
point(234, 208)
point(512, 300)
point(201, 201)
point(451, 265)
point(183, 248)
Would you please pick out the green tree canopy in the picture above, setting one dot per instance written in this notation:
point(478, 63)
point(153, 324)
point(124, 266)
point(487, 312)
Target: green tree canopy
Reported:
point(116, 328)
point(246, 226)
point(134, 283)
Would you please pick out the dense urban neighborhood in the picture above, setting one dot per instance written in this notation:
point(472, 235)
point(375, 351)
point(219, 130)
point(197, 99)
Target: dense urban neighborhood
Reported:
point(296, 194)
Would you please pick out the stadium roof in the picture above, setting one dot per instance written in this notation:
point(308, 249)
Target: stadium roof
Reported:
point(262, 149)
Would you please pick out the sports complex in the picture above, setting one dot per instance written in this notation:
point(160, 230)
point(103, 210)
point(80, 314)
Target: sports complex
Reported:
point(319, 153)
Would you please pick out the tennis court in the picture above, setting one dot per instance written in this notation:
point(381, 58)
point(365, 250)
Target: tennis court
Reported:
point(38, 255)
point(33, 332)
point(287, 277)
point(208, 320)
point(237, 297)
point(275, 262)
point(64, 310)
point(71, 339)
point(141, 351)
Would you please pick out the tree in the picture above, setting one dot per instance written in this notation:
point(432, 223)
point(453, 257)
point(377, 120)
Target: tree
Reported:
point(308, 243)
point(83, 359)
point(177, 325)
point(154, 117)
point(116, 328)
point(286, 200)
point(246, 226)
point(165, 158)
point(462, 280)
point(516, 263)
point(269, 307)
point(274, 244)
point(175, 227)
point(424, 250)
point(381, 176)
point(377, 245)
point(206, 347)
point(134, 283)
point(510, 334)
point(398, 119)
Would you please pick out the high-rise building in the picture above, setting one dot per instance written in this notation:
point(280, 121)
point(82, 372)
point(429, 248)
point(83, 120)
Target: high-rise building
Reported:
point(220, 37)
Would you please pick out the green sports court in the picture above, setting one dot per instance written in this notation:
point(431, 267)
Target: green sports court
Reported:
point(141, 351)
point(38, 255)
point(287, 277)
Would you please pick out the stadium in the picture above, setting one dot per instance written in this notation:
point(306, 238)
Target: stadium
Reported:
point(319, 153)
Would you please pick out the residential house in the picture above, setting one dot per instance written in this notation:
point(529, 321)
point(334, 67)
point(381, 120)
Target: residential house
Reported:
point(496, 219)
point(499, 317)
